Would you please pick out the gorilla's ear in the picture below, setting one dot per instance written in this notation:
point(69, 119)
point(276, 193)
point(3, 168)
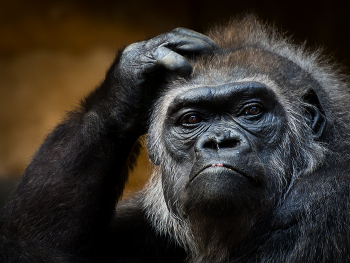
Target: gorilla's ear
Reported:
point(314, 113)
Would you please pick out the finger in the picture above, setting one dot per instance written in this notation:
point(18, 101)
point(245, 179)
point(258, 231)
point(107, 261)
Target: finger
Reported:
point(194, 34)
point(185, 44)
point(192, 45)
point(172, 61)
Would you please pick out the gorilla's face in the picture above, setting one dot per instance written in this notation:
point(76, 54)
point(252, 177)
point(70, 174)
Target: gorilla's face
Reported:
point(222, 138)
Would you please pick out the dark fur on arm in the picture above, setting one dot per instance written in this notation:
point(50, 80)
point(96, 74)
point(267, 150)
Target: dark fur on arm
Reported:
point(68, 193)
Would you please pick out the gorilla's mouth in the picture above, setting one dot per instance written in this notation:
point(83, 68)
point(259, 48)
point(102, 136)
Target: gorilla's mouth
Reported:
point(217, 165)
point(222, 166)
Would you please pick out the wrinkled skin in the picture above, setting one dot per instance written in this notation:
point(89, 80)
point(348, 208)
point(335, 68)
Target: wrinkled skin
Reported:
point(221, 133)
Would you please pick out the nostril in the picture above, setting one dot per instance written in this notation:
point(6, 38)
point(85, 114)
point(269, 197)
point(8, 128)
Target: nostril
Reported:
point(222, 144)
point(211, 145)
point(231, 143)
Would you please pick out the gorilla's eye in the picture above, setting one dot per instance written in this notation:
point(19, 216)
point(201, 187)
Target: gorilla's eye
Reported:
point(252, 110)
point(191, 119)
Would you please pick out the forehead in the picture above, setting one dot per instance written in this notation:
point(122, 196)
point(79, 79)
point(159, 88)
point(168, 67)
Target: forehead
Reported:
point(221, 96)
point(250, 64)
point(217, 85)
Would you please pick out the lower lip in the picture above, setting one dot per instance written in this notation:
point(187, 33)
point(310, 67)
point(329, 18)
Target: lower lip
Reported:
point(212, 170)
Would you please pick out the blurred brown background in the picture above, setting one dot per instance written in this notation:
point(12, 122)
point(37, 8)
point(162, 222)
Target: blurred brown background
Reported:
point(52, 53)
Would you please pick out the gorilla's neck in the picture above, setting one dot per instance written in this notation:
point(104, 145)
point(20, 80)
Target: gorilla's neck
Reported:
point(217, 237)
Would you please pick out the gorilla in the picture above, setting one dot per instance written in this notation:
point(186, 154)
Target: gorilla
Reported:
point(249, 135)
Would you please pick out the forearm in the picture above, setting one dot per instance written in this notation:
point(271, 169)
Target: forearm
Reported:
point(69, 190)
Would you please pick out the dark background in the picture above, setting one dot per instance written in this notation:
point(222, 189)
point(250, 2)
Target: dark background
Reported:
point(52, 53)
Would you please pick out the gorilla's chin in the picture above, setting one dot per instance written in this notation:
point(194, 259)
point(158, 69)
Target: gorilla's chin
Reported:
point(221, 191)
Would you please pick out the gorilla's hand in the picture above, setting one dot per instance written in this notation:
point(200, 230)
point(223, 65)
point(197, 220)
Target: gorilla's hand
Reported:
point(165, 51)
point(140, 62)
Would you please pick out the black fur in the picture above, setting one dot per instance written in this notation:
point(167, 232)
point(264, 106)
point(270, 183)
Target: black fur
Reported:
point(250, 138)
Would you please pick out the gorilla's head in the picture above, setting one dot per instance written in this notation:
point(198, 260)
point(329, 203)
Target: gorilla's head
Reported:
point(230, 140)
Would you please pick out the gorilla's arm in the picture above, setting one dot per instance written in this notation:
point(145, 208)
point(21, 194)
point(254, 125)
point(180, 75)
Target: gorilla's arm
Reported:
point(67, 196)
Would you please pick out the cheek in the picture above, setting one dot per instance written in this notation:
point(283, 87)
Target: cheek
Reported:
point(268, 137)
point(179, 146)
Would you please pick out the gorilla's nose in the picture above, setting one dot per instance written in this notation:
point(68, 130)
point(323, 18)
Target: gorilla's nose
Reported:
point(221, 140)
point(217, 143)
